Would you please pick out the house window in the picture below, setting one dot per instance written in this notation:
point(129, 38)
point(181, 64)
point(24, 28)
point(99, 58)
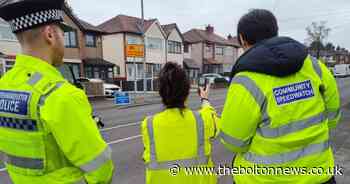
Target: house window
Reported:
point(139, 71)
point(208, 48)
point(75, 67)
point(116, 70)
point(89, 72)
point(186, 48)
point(154, 43)
point(110, 73)
point(9, 64)
point(70, 39)
point(90, 40)
point(174, 47)
point(134, 40)
point(219, 51)
point(131, 70)
point(6, 33)
point(156, 70)
point(96, 73)
point(148, 70)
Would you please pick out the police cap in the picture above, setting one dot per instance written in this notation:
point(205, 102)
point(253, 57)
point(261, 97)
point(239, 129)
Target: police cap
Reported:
point(23, 15)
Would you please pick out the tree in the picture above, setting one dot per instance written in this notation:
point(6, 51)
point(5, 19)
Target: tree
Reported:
point(315, 45)
point(330, 47)
point(317, 33)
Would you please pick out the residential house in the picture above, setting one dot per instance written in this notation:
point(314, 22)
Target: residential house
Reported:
point(125, 33)
point(9, 47)
point(342, 56)
point(174, 42)
point(84, 51)
point(211, 52)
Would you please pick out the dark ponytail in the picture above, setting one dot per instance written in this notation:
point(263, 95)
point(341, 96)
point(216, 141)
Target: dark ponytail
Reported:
point(174, 86)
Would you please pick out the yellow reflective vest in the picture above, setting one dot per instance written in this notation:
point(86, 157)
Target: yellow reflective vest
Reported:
point(279, 127)
point(174, 140)
point(47, 134)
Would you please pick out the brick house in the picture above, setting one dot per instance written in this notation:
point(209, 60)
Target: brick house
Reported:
point(84, 51)
point(174, 43)
point(211, 52)
point(125, 30)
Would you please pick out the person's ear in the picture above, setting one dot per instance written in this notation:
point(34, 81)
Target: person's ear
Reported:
point(49, 34)
point(243, 42)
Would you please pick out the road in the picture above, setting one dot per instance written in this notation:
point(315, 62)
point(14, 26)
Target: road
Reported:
point(123, 134)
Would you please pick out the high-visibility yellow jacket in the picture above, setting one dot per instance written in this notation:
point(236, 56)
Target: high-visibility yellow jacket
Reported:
point(47, 133)
point(174, 140)
point(282, 122)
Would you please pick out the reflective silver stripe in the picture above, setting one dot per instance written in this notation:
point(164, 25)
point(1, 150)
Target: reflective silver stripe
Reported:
point(258, 95)
point(200, 134)
point(233, 141)
point(181, 163)
point(153, 157)
point(287, 157)
point(98, 161)
point(316, 67)
point(22, 162)
point(332, 115)
point(291, 127)
point(44, 97)
point(34, 78)
point(201, 159)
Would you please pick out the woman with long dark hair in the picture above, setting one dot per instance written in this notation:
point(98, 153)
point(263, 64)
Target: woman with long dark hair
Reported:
point(178, 138)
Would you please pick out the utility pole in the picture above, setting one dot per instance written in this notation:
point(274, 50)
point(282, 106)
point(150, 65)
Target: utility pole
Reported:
point(144, 47)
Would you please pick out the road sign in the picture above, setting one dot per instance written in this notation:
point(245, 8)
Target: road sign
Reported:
point(135, 50)
point(121, 98)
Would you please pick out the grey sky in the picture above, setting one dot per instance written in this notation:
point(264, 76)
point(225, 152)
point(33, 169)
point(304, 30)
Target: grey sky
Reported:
point(293, 15)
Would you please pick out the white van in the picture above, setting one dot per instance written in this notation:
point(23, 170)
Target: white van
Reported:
point(342, 70)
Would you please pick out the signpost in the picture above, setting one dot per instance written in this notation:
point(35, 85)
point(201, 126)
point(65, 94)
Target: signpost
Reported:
point(121, 98)
point(135, 50)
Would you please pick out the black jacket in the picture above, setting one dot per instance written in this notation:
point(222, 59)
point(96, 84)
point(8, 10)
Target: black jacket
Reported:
point(278, 56)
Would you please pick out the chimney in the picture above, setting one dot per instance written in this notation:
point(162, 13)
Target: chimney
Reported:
point(229, 37)
point(210, 29)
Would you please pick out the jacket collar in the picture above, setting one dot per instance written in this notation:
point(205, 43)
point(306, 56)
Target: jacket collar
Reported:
point(37, 65)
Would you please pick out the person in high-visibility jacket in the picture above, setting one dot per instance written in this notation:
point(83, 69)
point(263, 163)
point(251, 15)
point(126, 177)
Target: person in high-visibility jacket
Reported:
point(47, 134)
point(178, 137)
point(281, 105)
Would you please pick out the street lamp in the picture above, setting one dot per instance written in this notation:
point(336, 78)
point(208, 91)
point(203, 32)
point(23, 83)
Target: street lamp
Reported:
point(144, 47)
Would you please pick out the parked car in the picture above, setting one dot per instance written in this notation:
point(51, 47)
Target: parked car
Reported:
point(212, 77)
point(342, 70)
point(110, 89)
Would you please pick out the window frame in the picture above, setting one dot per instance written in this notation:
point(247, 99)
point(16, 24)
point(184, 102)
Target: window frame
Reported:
point(70, 45)
point(13, 39)
point(94, 38)
point(174, 47)
point(222, 53)
point(152, 45)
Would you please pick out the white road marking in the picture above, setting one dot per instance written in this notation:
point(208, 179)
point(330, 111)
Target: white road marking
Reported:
point(125, 139)
point(120, 126)
point(2, 169)
point(134, 124)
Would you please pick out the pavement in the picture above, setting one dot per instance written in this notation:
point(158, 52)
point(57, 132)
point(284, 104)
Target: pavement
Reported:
point(122, 132)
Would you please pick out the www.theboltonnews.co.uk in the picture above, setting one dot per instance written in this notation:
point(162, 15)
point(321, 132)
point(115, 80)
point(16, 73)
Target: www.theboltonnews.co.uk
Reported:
point(256, 170)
